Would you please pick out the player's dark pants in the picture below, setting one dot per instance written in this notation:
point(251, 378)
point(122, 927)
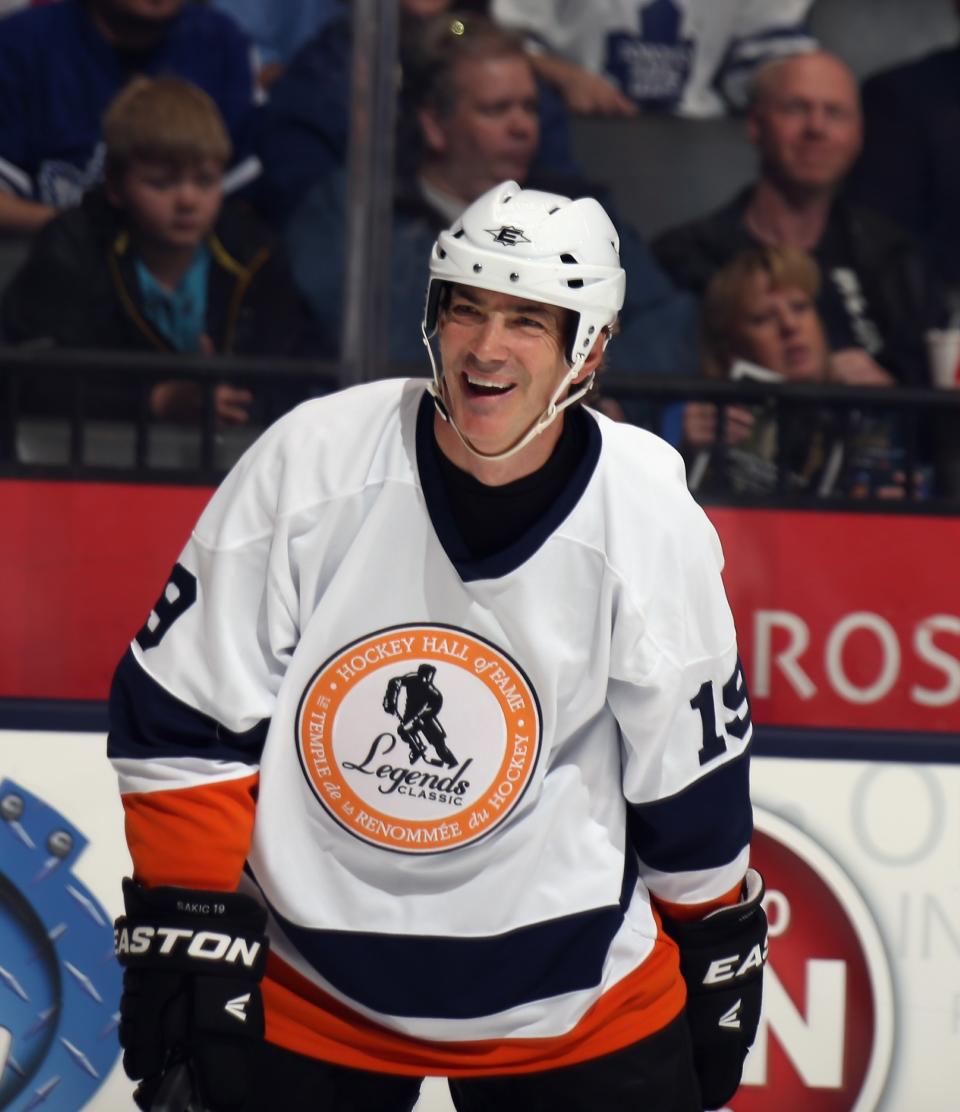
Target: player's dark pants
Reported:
point(655, 1075)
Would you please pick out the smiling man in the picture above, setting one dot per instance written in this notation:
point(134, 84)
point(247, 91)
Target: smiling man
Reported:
point(878, 297)
point(503, 359)
point(537, 883)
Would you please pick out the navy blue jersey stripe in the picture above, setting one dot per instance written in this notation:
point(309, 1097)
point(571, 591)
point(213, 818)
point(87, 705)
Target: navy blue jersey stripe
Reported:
point(148, 722)
point(703, 827)
point(463, 978)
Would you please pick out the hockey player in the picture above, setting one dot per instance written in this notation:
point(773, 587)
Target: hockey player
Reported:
point(561, 915)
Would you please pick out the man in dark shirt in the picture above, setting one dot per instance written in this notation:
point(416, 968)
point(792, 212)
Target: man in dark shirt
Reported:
point(878, 298)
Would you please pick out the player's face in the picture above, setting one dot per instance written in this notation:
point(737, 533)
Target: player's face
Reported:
point(492, 132)
point(780, 329)
point(502, 360)
point(807, 124)
point(169, 204)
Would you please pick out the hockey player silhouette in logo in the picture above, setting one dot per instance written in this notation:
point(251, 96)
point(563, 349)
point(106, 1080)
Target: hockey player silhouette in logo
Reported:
point(415, 700)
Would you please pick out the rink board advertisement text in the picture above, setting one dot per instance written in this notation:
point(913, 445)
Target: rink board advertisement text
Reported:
point(845, 621)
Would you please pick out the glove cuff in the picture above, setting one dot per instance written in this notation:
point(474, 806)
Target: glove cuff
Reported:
point(189, 930)
point(723, 921)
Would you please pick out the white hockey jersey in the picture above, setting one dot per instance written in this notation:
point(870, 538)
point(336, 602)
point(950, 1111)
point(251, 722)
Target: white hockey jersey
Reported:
point(692, 57)
point(456, 784)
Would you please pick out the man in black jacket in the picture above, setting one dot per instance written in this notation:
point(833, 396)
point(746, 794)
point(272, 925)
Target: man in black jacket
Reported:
point(878, 298)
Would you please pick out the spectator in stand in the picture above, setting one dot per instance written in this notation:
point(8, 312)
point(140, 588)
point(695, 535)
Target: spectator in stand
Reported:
point(760, 322)
point(878, 297)
point(476, 103)
point(691, 57)
point(152, 261)
point(302, 131)
point(278, 30)
point(60, 66)
point(910, 165)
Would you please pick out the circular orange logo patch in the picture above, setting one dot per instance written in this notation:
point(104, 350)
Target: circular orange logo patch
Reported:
point(419, 738)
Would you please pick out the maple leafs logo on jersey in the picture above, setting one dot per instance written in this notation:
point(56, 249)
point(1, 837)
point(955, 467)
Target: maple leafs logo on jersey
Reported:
point(508, 235)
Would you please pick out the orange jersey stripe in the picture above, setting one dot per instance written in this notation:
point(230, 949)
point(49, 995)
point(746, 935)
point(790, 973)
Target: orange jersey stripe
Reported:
point(192, 837)
point(303, 1018)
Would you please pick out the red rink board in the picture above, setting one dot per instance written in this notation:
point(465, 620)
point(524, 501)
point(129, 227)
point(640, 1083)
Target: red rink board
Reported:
point(81, 564)
point(844, 620)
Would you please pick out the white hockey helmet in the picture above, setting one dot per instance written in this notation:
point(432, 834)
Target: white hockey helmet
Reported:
point(540, 246)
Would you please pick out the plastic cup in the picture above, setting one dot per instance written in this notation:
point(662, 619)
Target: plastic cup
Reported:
point(943, 352)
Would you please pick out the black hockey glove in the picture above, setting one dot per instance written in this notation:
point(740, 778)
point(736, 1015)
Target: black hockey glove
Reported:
point(721, 959)
point(191, 991)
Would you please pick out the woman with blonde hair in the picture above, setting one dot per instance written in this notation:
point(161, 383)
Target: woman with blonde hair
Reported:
point(761, 307)
point(759, 321)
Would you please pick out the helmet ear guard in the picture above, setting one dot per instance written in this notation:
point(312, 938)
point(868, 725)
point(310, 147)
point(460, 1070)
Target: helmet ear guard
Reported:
point(540, 247)
point(436, 288)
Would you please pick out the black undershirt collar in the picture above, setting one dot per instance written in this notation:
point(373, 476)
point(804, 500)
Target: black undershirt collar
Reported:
point(488, 531)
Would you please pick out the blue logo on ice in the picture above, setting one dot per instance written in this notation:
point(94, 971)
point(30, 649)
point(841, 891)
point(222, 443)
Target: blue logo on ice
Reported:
point(59, 982)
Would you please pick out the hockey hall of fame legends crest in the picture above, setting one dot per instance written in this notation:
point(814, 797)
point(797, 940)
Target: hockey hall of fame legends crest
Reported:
point(419, 738)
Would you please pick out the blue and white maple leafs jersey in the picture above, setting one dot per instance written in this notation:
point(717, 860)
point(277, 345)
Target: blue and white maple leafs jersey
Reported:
point(692, 57)
point(460, 786)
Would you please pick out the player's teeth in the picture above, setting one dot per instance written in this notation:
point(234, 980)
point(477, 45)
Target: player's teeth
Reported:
point(487, 385)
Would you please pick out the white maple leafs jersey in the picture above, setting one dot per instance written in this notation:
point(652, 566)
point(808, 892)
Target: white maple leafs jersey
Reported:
point(692, 57)
point(471, 775)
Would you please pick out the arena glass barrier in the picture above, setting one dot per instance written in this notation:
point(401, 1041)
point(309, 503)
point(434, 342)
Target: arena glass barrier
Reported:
point(848, 616)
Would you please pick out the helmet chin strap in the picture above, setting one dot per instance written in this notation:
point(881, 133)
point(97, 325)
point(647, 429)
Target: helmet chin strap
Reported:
point(549, 415)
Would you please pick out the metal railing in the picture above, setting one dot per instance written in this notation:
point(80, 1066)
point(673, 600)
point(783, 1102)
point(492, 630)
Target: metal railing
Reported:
point(929, 421)
point(85, 414)
point(52, 423)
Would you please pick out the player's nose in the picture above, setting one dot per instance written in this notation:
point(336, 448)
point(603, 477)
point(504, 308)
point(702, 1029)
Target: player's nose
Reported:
point(489, 341)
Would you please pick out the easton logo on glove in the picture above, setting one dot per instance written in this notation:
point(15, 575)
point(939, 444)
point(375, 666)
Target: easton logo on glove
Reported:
point(721, 959)
point(237, 1007)
point(202, 945)
point(731, 1017)
point(177, 929)
point(723, 970)
point(191, 992)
